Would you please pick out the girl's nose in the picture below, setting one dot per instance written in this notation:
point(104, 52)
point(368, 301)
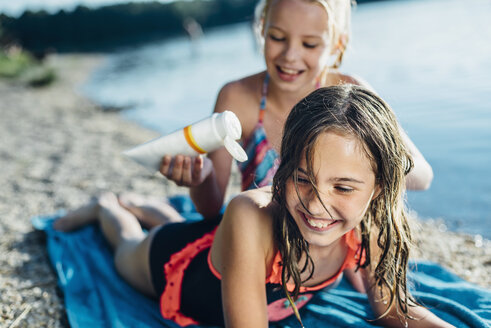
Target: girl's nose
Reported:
point(291, 52)
point(317, 207)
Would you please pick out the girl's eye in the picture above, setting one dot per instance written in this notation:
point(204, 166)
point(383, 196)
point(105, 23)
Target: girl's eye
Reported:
point(344, 190)
point(309, 45)
point(303, 180)
point(276, 38)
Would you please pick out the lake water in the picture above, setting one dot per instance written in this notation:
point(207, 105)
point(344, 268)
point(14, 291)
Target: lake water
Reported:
point(431, 60)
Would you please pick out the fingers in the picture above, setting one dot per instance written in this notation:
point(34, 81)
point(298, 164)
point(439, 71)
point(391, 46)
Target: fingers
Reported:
point(177, 169)
point(165, 166)
point(197, 168)
point(186, 176)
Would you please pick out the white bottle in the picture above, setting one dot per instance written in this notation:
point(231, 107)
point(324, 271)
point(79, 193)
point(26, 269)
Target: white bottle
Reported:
point(209, 134)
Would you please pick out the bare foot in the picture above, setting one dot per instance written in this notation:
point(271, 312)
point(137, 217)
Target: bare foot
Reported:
point(77, 218)
point(150, 211)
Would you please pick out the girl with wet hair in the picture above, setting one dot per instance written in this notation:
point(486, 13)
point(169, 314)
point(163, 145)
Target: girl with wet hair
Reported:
point(303, 43)
point(336, 204)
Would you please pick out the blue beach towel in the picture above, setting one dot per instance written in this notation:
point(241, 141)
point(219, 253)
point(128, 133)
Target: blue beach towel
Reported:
point(95, 295)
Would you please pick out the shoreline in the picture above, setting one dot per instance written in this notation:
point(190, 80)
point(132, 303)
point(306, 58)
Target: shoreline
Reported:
point(57, 149)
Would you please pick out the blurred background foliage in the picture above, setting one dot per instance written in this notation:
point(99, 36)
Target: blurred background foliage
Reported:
point(20, 65)
point(107, 27)
point(27, 39)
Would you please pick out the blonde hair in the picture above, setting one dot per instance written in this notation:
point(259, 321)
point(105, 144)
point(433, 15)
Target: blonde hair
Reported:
point(339, 23)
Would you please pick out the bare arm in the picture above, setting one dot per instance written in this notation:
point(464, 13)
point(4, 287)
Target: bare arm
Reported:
point(207, 176)
point(422, 317)
point(380, 298)
point(208, 196)
point(239, 253)
point(421, 175)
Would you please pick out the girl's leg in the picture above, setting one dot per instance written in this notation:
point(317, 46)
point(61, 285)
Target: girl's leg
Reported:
point(151, 212)
point(123, 232)
point(81, 216)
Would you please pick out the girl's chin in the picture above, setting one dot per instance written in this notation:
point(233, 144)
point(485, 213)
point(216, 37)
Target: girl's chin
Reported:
point(316, 240)
point(289, 86)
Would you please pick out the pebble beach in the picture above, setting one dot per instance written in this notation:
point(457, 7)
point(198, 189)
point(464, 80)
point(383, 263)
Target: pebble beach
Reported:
point(57, 149)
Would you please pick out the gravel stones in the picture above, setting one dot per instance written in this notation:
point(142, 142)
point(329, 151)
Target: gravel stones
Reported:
point(57, 149)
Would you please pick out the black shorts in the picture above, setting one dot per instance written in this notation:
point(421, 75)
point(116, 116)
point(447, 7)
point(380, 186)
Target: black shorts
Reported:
point(170, 239)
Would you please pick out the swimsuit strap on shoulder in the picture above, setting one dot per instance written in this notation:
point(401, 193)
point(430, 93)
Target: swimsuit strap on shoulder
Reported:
point(264, 93)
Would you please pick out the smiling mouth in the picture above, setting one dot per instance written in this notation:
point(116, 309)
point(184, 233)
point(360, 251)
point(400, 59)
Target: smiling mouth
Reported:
point(288, 72)
point(318, 224)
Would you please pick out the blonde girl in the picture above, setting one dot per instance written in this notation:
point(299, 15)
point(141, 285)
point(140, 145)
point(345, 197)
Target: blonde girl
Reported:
point(336, 203)
point(303, 44)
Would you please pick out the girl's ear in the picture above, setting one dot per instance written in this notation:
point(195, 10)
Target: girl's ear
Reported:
point(377, 191)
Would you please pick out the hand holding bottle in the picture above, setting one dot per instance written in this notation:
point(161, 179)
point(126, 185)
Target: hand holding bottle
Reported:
point(209, 134)
point(186, 171)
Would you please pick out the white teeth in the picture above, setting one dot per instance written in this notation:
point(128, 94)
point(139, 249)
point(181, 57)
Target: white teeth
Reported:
point(318, 224)
point(289, 71)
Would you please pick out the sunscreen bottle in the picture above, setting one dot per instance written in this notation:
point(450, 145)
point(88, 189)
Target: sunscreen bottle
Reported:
point(209, 134)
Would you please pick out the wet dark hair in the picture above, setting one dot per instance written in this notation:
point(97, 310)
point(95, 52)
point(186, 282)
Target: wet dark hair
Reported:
point(355, 111)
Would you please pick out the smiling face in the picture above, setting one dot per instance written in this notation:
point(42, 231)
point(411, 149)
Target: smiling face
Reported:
point(345, 181)
point(296, 43)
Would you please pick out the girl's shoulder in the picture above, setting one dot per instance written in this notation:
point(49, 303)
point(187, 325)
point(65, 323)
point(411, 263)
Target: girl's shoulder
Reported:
point(255, 206)
point(247, 88)
point(242, 97)
point(249, 219)
point(247, 83)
